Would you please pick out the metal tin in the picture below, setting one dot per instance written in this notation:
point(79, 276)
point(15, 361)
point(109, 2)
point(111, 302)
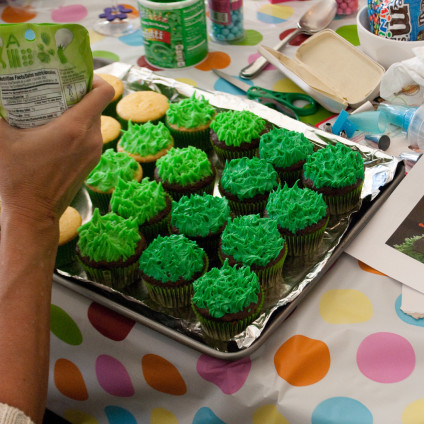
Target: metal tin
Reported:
point(174, 33)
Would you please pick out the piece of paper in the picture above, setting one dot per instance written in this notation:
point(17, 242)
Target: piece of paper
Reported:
point(412, 302)
point(390, 242)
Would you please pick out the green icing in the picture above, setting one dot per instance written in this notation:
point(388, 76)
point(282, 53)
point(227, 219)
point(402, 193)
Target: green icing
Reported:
point(140, 201)
point(108, 238)
point(295, 208)
point(145, 139)
point(112, 167)
point(235, 127)
point(284, 148)
point(184, 166)
point(252, 240)
point(226, 290)
point(334, 166)
point(246, 178)
point(190, 113)
point(199, 215)
point(167, 259)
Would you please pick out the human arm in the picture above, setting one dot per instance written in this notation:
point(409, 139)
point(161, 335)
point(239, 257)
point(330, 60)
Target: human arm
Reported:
point(41, 170)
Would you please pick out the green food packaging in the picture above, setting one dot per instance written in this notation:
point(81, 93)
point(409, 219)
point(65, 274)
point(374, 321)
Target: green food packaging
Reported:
point(44, 70)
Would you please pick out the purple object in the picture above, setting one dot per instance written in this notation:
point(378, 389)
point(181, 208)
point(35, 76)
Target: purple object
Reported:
point(112, 13)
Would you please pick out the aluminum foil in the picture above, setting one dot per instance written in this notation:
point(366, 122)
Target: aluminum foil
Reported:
point(298, 272)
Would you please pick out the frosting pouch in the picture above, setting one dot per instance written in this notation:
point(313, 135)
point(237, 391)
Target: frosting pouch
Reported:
point(44, 70)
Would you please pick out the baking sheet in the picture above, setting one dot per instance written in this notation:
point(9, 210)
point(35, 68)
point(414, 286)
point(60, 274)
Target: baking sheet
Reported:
point(300, 274)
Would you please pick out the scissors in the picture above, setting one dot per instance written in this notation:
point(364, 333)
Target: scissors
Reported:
point(283, 102)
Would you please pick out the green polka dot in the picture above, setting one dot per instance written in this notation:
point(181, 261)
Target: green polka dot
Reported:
point(320, 115)
point(251, 38)
point(350, 33)
point(64, 327)
point(106, 55)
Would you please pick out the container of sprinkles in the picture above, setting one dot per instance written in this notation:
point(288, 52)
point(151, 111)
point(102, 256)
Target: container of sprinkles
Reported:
point(226, 19)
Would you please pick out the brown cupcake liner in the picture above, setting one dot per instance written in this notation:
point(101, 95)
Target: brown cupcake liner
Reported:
point(247, 208)
point(289, 177)
point(111, 144)
point(199, 139)
point(66, 253)
point(224, 155)
point(177, 297)
point(176, 195)
point(151, 231)
point(340, 204)
point(99, 200)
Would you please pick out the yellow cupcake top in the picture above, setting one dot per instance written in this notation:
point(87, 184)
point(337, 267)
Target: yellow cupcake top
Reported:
point(110, 128)
point(142, 106)
point(115, 82)
point(69, 222)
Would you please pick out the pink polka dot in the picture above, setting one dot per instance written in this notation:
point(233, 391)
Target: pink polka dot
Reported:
point(113, 377)
point(71, 13)
point(254, 56)
point(385, 357)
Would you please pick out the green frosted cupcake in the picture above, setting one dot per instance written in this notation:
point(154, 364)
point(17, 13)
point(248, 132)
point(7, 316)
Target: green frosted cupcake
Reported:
point(146, 143)
point(286, 151)
point(146, 202)
point(246, 183)
point(102, 180)
point(168, 268)
point(108, 249)
point(255, 242)
point(337, 172)
point(189, 121)
point(302, 217)
point(185, 171)
point(201, 218)
point(227, 300)
point(236, 134)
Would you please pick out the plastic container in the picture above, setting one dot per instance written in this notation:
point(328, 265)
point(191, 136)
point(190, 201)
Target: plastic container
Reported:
point(226, 20)
point(174, 33)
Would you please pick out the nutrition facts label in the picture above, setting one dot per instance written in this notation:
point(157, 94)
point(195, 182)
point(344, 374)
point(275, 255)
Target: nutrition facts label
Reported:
point(32, 98)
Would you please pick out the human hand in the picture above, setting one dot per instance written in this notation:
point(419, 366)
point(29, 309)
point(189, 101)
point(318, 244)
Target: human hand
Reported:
point(42, 168)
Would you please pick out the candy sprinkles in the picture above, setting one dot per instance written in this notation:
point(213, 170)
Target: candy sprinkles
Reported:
point(227, 19)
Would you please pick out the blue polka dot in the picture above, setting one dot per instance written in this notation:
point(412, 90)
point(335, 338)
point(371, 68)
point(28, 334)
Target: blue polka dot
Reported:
point(341, 410)
point(206, 416)
point(269, 19)
point(133, 39)
point(117, 415)
point(405, 317)
point(226, 87)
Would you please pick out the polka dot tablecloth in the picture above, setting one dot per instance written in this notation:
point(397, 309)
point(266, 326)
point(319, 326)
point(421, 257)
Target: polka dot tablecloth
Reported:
point(347, 355)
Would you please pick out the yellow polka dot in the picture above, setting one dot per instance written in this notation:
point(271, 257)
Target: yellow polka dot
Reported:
point(345, 307)
point(79, 417)
point(94, 36)
point(268, 414)
point(286, 85)
point(187, 81)
point(162, 416)
point(414, 413)
point(282, 12)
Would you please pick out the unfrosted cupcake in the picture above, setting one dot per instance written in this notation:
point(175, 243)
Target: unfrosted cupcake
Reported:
point(286, 151)
point(246, 183)
point(140, 107)
point(108, 249)
point(185, 171)
point(146, 143)
point(201, 218)
point(111, 132)
point(102, 180)
point(302, 217)
point(236, 134)
point(226, 300)
point(255, 242)
point(168, 268)
point(118, 87)
point(337, 172)
point(189, 121)
point(146, 202)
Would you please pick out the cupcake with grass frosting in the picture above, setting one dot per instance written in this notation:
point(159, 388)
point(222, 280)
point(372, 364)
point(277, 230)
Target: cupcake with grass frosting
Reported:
point(226, 300)
point(189, 121)
point(301, 215)
point(338, 173)
point(146, 202)
point(286, 151)
point(185, 171)
point(235, 134)
point(246, 183)
point(108, 249)
point(168, 268)
point(255, 242)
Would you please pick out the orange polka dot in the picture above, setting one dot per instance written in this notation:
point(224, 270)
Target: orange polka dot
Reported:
point(367, 268)
point(69, 380)
point(214, 60)
point(302, 361)
point(11, 15)
point(134, 12)
point(162, 375)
